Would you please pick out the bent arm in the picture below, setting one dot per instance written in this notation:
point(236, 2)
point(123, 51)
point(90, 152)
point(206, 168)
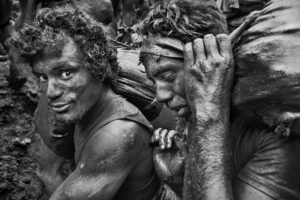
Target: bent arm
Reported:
point(87, 186)
point(106, 161)
point(208, 81)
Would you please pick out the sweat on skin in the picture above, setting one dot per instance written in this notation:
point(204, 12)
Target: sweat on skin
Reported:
point(75, 95)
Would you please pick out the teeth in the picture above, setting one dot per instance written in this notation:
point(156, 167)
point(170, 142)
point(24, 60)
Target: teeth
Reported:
point(181, 111)
point(61, 108)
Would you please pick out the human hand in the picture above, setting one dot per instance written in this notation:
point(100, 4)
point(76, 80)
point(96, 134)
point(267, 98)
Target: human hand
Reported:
point(169, 156)
point(208, 64)
point(164, 138)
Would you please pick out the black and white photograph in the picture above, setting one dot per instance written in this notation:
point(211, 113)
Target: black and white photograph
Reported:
point(149, 99)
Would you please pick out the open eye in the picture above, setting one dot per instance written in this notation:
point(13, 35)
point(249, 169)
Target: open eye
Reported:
point(43, 78)
point(66, 74)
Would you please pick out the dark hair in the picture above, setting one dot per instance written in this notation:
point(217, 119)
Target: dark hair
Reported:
point(52, 25)
point(184, 19)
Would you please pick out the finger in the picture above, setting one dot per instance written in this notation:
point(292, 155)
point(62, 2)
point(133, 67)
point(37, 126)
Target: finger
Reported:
point(170, 138)
point(188, 55)
point(210, 45)
point(199, 50)
point(200, 55)
point(162, 138)
point(239, 30)
point(155, 136)
point(224, 44)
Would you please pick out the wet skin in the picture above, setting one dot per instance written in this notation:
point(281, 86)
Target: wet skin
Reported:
point(201, 84)
point(117, 156)
point(69, 87)
point(168, 76)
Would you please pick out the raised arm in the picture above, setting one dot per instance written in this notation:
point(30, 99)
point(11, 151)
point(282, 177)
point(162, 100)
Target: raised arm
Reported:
point(208, 82)
point(106, 162)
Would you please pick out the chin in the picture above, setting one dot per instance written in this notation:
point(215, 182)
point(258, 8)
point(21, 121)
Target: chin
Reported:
point(67, 118)
point(71, 116)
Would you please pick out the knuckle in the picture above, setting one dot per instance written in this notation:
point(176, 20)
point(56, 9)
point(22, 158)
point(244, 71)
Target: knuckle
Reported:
point(208, 37)
point(222, 37)
point(193, 69)
point(217, 61)
point(197, 41)
point(187, 47)
point(202, 63)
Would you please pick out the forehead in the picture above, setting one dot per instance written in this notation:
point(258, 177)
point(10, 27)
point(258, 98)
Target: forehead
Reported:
point(51, 58)
point(156, 64)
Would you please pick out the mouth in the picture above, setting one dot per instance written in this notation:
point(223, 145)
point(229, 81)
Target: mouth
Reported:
point(181, 111)
point(60, 108)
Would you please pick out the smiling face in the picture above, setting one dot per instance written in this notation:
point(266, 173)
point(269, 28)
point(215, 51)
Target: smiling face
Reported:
point(69, 86)
point(168, 76)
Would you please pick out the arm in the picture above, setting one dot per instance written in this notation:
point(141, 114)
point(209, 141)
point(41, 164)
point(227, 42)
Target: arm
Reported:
point(208, 81)
point(49, 170)
point(107, 160)
point(243, 191)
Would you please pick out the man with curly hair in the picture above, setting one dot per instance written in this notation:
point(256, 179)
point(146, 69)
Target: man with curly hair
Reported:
point(75, 65)
point(187, 54)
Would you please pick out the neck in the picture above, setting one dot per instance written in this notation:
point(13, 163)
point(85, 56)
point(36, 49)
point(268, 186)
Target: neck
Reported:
point(98, 108)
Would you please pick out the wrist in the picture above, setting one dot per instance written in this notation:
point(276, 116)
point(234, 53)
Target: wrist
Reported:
point(209, 112)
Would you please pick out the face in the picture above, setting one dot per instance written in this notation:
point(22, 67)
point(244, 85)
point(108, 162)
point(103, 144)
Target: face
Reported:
point(69, 86)
point(168, 76)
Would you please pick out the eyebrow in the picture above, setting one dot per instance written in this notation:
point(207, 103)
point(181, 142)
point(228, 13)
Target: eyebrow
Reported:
point(58, 65)
point(62, 64)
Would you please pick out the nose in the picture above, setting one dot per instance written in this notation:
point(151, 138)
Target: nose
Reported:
point(53, 91)
point(164, 92)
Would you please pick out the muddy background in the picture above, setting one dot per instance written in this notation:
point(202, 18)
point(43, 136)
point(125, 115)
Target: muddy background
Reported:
point(18, 142)
point(18, 139)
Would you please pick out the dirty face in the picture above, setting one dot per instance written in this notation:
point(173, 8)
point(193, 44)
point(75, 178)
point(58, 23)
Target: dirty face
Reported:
point(68, 85)
point(168, 76)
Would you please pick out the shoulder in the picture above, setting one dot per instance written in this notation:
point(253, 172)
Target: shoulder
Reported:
point(123, 133)
point(121, 141)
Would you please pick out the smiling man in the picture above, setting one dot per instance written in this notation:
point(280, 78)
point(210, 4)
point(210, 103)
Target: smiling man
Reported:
point(188, 56)
point(70, 56)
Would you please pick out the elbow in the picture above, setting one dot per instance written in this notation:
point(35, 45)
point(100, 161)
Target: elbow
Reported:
point(63, 196)
point(66, 194)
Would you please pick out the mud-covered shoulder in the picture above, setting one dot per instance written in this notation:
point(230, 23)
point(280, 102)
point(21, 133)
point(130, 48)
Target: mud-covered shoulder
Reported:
point(121, 143)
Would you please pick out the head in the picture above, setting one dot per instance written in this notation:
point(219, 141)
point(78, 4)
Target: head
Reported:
point(70, 56)
point(167, 28)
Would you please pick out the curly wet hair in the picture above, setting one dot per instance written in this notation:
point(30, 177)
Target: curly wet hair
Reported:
point(184, 19)
point(53, 26)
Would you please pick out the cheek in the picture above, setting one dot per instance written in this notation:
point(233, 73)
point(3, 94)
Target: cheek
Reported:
point(75, 88)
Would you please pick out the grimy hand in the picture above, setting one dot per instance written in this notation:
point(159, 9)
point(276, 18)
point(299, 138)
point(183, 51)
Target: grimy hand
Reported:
point(165, 138)
point(208, 64)
point(169, 156)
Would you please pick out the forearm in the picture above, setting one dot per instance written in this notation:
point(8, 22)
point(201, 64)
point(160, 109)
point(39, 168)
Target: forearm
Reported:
point(74, 189)
point(76, 192)
point(93, 186)
point(208, 171)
